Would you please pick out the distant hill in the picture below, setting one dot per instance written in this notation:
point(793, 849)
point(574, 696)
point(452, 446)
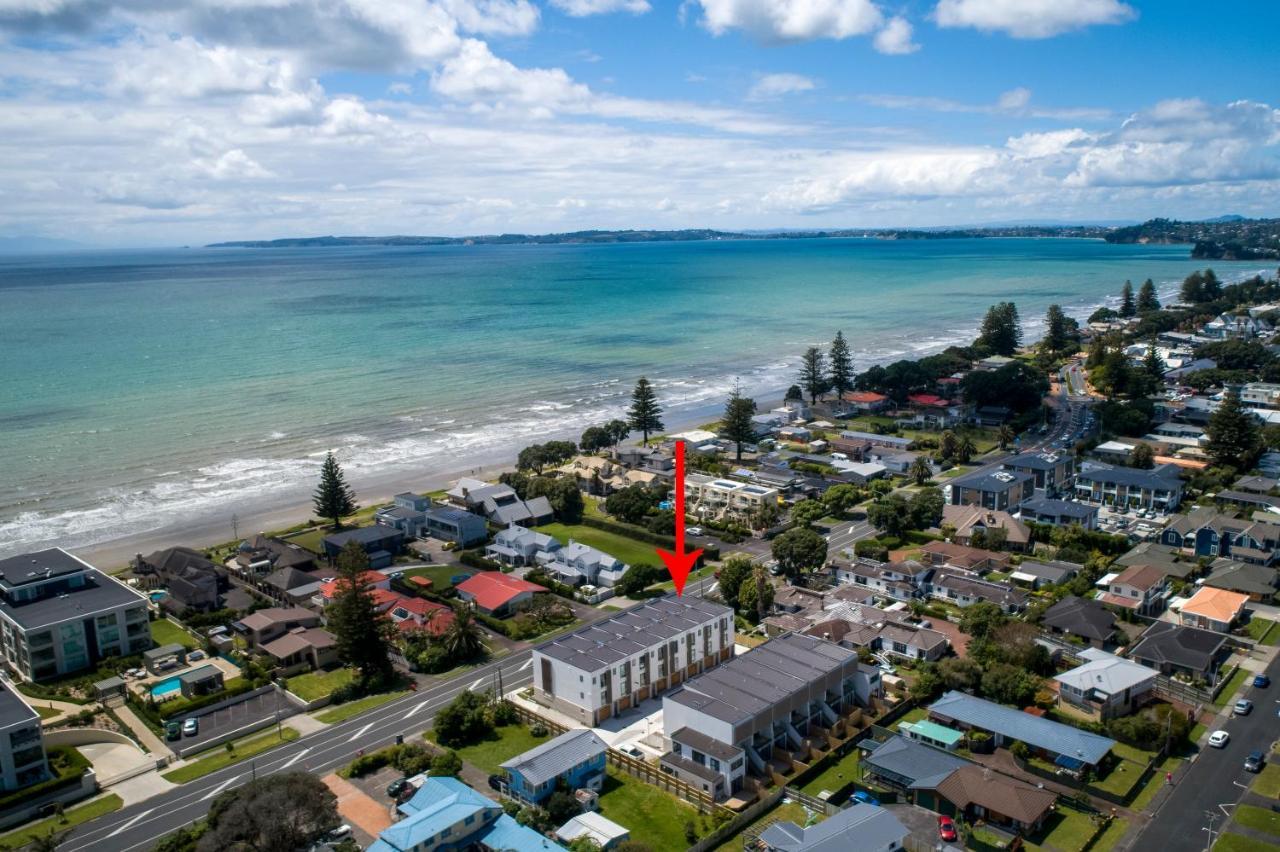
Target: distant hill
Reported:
point(22, 245)
point(1224, 238)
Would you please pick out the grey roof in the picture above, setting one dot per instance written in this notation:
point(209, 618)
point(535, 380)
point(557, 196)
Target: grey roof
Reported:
point(40, 565)
point(1014, 724)
point(922, 766)
point(860, 826)
point(164, 651)
point(452, 514)
point(706, 773)
point(401, 512)
point(994, 480)
point(555, 757)
point(608, 641)
point(763, 677)
point(1183, 646)
point(1053, 572)
point(1166, 559)
point(704, 743)
point(286, 579)
point(200, 674)
point(1059, 508)
point(14, 710)
point(364, 535)
point(1106, 673)
point(1037, 461)
point(1163, 477)
point(1001, 593)
point(1081, 616)
point(1242, 577)
point(100, 593)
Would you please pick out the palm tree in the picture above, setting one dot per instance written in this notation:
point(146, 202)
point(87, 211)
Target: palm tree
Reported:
point(921, 471)
point(965, 449)
point(463, 639)
point(947, 445)
point(1005, 435)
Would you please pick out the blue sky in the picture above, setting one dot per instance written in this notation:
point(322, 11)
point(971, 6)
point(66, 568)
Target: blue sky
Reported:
point(130, 122)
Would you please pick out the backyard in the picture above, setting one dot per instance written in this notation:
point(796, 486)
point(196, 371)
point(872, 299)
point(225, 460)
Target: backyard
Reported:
point(506, 743)
point(653, 816)
point(439, 575)
point(620, 547)
point(165, 632)
point(835, 776)
point(783, 812)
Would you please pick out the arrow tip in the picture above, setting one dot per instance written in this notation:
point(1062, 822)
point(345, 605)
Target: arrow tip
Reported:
point(679, 564)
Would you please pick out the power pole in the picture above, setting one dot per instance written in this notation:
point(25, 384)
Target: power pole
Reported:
point(1208, 844)
point(235, 527)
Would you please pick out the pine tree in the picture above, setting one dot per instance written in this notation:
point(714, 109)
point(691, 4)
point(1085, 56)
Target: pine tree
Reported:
point(841, 366)
point(813, 372)
point(736, 425)
point(354, 620)
point(333, 499)
point(1001, 331)
point(645, 414)
point(1153, 363)
point(1235, 436)
point(1147, 301)
point(1055, 331)
point(1127, 307)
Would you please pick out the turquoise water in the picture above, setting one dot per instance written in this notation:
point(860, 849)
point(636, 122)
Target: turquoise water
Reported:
point(156, 597)
point(139, 388)
point(166, 686)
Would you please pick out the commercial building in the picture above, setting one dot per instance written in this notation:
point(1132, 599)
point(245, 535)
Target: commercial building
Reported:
point(59, 614)
point(610, 666)
point(774, 702)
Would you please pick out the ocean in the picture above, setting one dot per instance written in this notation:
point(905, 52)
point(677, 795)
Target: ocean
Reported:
point(141, 389)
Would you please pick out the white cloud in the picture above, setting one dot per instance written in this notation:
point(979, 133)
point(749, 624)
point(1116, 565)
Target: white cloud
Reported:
point(1031, 18)
point(583, 8)
point(400, 87)
point(895, 38)
point(791, 20)
point(1014, 100)
point(771, 86)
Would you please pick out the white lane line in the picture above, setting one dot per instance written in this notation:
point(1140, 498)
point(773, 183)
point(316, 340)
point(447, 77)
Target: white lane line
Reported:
point(710, 591)
point(473, 686)
point(416, 710)
point(291, 761)
point(526, 665)
point(216, 790)
point(360, 733)
point(129, 823)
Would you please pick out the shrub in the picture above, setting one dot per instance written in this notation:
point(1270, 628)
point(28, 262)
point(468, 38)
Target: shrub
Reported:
point(446, 763)
point(538, 731)
point(871, 549)
point(473, 559)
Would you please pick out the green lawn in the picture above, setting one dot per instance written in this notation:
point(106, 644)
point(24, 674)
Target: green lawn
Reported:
point(507, 742)
point(1123, 777)
point(342, 712)
point(1143, 800)
point(782, 812)
point(1261, 630)
point(439, 575)
point(834, 776)
point(653, 817)
point(1258, 818)
point(693, 575)
point(311, 540)
point(70, 817)
point(628, 550)
point(220, 757)
point(1238, 843)
point(1233, 686)
point(45, 712)
point(165, 632)
point(1268, 782)
point(313, 685)
point(1110, 837)
point(1065, 831)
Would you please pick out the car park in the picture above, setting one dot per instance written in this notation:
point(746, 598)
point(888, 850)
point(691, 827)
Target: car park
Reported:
point(173, 731)
point(1253, 763)
point(191, 727)
point(397, 787)
point(1243, 707)
point(1219, 739)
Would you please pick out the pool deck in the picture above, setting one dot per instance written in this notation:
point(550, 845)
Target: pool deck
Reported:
point(142, 686)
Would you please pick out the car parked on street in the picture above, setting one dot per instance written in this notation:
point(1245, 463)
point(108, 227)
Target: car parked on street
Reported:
point(1243, 707)
point(1219, 739)
point(1261, 681)
point(1253, 763)
point(173, 731)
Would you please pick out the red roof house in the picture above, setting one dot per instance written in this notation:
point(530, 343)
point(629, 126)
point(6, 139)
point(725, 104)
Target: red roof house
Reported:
point(928, 400)
point(420, 614)
point(375, 579)
point(497, 594)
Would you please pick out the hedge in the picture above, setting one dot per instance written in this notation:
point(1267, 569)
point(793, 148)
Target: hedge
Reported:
point(76, 765)
point(152, 712)
point(473, 559)
point(710, 552)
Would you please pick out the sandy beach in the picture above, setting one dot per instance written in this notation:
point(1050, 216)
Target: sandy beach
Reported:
point(216, 528)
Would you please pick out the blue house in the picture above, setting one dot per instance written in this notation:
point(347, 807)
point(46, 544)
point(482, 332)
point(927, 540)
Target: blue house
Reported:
point(576, 757)
point(446, 815)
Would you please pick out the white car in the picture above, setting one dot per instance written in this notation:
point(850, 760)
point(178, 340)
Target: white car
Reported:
point(693, 530)
point(1219, 739)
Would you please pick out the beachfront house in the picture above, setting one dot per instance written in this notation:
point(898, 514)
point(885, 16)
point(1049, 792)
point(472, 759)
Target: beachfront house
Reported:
point(519, 546)
point(578, 565)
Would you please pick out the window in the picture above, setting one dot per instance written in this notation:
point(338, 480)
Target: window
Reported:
point(715, 764)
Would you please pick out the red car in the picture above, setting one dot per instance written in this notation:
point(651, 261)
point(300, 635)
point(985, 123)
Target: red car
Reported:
point(946, 829)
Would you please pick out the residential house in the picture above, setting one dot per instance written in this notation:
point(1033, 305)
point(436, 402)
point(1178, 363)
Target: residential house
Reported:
point(382, 544)
point(1054, 473)
point(1067, 746)
point(290, 586)
point(1256, 484)
point(866, 402)
point(1248, 501)
point(302, 649)
point(992, 362)
point(969, 521)
point(463, 528)
point(613, 664)
point(911, 767)
point(1173, 562)
point(577, 564)
point(1114, 451)
point(263, 626)
point(854, 443)
point(1082, 618)
point(1213, 609)
point(1000, 489)
point(602, 476)
point(59, 614)
point(191, 579)
point(973, 559)
point(779, 696)
point(649, 459)
point(892, 460)
point(897, 580)
point(1256, 581)
point(497, 594)
point(978, 793)
point(446, 815)
point(713, 498)
point(881, 631)
point(1038, 574)
point(931, 734)
point(605, 833)
point(412, 613)
point(22, 757)
point(1061, 513)
point(1241, 327)
point(964, 589)
point(263, 554)
point(499, 503)
point(875, 830)
point(1141, 588)
point(1159, 489)
point(1106, 686)
point(407, 513)
point(375, 581)
point(576, 759)
point(519, 546)
point(934, 412)
point(1176, 650)
point(1207, 532)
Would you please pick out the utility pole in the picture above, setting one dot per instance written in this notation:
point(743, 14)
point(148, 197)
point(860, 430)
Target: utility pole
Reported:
point(1208, 844)
point(235, 527)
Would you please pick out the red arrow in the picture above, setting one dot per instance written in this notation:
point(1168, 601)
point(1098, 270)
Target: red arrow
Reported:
point(680, 563)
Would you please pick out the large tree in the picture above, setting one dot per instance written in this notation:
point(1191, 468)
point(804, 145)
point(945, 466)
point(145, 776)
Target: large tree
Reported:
point(734, 571)
point(1001, 331)
point(360, 630)
point(799, 550)
point(1147, 300)
point(645, 414)
point(1127, 306)
point(276, 813)
point(890, 514)
point(462, 640)
point(1056, 330)
point(333, 499)
point(920, 471)
point(736, 425)
point(841, 366)
point(1235, 436)
point(813, 373)
point(755, 595)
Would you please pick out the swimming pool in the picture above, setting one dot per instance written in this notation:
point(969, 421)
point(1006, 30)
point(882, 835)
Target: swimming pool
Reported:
point(158, 596)
point(165, 687)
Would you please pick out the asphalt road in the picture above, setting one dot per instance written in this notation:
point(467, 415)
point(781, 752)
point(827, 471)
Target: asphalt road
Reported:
point(140, 826)
point(1210, 785)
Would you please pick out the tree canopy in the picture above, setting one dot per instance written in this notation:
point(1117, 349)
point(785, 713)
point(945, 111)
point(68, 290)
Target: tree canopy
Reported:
point(799, 550)
point(813, 373)
point(333, 499)
point(278, 812)
point(1234, 434)
point(645, 414)
point(1001, 331)
point(361, 632)
point(736, 424)
point(841, 365)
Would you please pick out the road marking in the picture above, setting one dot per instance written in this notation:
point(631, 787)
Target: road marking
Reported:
point(291, 761)
point(710, 591)
point(473, 686)
point(360, 733)
point(216, 790)
point(129, 823)
point(418, 709)
point(526, 665)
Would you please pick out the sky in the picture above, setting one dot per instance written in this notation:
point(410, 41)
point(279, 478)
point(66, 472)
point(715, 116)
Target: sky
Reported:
point(162, 122)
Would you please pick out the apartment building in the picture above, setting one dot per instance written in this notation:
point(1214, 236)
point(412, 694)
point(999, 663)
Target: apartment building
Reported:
point(59, 614)
point(1159, 489)
point(1054, 473)
point(610, 666)
point(22, 757)
point(710, 498)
